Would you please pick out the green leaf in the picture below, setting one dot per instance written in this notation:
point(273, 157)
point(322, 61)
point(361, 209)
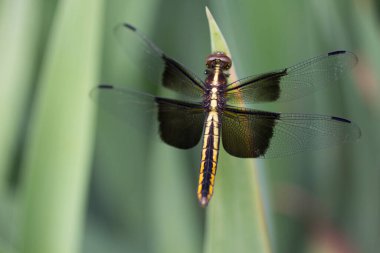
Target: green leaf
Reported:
point(236, 216)
point(17, 66)
point(60, 141)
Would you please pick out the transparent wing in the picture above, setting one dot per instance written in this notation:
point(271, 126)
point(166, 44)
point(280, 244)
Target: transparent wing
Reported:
point(179, 123)
point(292, 82)
point(159, 67)
point(259, 134)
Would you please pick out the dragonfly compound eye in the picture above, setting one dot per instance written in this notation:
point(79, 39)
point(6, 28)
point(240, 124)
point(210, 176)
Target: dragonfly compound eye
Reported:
point(218, 58)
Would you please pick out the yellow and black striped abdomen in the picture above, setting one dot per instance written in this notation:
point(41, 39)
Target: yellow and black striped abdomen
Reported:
point(210, 151)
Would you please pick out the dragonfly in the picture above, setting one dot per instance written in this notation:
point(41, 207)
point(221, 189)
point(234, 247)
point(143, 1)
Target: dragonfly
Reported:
point(213, 110)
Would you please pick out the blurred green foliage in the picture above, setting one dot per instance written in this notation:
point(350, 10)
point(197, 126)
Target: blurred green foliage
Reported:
point(135, 194)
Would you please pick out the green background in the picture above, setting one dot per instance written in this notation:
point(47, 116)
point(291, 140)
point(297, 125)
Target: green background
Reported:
point(76, 180)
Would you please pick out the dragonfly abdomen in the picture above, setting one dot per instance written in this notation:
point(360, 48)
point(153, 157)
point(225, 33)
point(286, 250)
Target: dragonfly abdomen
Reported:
point(209, 161)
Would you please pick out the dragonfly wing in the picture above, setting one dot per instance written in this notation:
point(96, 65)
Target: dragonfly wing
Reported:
point(173, 75)
point(293, 82)
point(180, 124)
point(259, 134)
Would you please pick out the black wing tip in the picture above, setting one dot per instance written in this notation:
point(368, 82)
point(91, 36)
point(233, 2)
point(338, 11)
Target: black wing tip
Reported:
point(355, 58)
point(341, 119)
point(337, 52)
point(354, 127)
point(129, 26)
point(105, 86)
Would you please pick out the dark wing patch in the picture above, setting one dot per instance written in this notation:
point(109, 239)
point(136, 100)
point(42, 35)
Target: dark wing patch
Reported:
point(247, 134)
point(250, 133)
point(262, 88)
point(181, 123)
point(176, 77)
point(293, 82)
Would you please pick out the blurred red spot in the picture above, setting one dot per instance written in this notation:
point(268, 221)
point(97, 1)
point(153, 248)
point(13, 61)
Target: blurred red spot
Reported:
point(367, 81)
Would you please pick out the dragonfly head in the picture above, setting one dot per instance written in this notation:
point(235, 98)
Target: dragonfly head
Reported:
point(218, 59)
